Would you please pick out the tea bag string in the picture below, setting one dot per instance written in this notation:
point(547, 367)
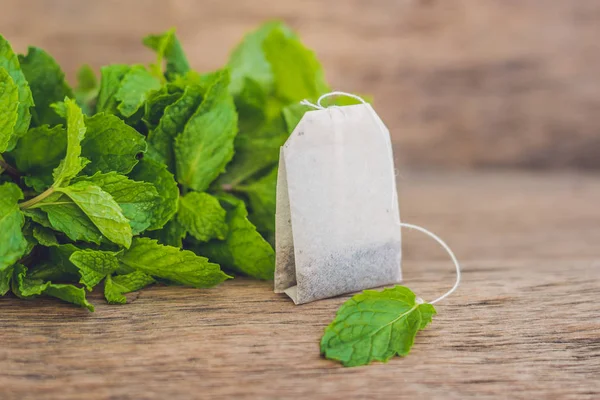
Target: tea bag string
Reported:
point(319, 106)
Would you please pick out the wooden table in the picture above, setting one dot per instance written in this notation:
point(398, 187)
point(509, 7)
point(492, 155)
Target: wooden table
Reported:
point(524, 324)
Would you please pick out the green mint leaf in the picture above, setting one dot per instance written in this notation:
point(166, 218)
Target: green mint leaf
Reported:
point(375, 326)
point(110, 83)
point(101, 209)
point(94, 265)
point(134, 89)
point(72, 164)
point(296, 70)
point(14, 244)
point(175, 117)
point(116, 286)
point(173, 264)
point(64, 215)
point(248, 59)
point(202, 216)
point(251, 103)
point(5, 279)
point(262, 195)
point(206, 144)
point(38, 152)
point(10, 62)
point(87, 89)
point(9, 102)
point(45, 236)
point(244, 249)
point(164, 182)
point(111, 145)
point(155, 106)
point(25, 287)
point(167, 47)
point(172, 234)
point(137, 200)
point(427, 313)
point(47, 82)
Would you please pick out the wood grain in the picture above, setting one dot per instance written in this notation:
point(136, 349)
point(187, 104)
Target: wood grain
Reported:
point(524, 324)
point(460, 83)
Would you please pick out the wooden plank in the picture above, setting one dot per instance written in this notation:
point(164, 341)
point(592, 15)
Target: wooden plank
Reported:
point(523, 324)
point(460, 82)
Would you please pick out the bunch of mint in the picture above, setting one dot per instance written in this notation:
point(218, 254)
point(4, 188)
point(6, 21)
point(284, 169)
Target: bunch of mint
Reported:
point(153, 174)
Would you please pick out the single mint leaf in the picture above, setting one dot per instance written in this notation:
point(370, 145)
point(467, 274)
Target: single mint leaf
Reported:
point(38, 152)
point(10, 62)
point(161, 139)
point(64, 215)
point(244, 249)
point(5, 278)
point(206, 144)
point(135, 87)
point(87, 89)
point(72, 164)
point(9, 102)
point(24, 287)
point(248, 59)
point(202, 216)
point(374, 326)
point(45, 236)
point(116, 286)
point(168, 48)
point(262, 195)
point(156, 104)
point(110, 83)
point(101, 209)
point(164, 182)
point(94, 265)
point(173, 264)
point(427, 312)
point(111, 145)
point(138, 200)
point(172, 234)
point(14, 244)
point(47, 82)
point(297, 73)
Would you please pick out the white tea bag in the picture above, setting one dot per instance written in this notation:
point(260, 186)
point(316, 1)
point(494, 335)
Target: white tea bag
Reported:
point(337, 220)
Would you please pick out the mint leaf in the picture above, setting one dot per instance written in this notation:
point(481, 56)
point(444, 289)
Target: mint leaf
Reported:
point(206, 144)
point(5, 278)
point(262, 195)
point(38, 152)
point(45, 236)
point(116, 286)
point(156, 104)
point(14, 244)
point(111, 145)
point(202, 216)
point(101, 209)
point(296, 70)
point(172, 234)
point(375, 326)
point(10, 62)
point(110, 83)
point(170, 263)
point(164, 182)
point(25, 287)
point(175, 117)
point(137, 200)
point(94, 265)
point(72, 164)
point(9, 102)
point(244, 249)
point(87, 89)
point(167, 47)
point(134, 89)
point(47, 83)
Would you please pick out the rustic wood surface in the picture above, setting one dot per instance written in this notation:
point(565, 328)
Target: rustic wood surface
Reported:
point(525, 323)
point(463, 83)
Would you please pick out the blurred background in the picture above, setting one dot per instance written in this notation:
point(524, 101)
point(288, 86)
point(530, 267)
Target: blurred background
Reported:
point(460, 83)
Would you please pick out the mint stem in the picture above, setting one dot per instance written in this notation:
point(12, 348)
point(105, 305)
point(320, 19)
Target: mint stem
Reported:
point(31, 202)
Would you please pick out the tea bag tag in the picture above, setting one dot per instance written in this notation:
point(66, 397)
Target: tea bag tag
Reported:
point(337, 219)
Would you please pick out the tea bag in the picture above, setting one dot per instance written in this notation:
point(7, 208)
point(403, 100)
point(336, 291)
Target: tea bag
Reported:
point(337, 219)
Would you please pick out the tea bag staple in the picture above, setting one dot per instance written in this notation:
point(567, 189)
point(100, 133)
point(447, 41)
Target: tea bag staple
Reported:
point(337, 219)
